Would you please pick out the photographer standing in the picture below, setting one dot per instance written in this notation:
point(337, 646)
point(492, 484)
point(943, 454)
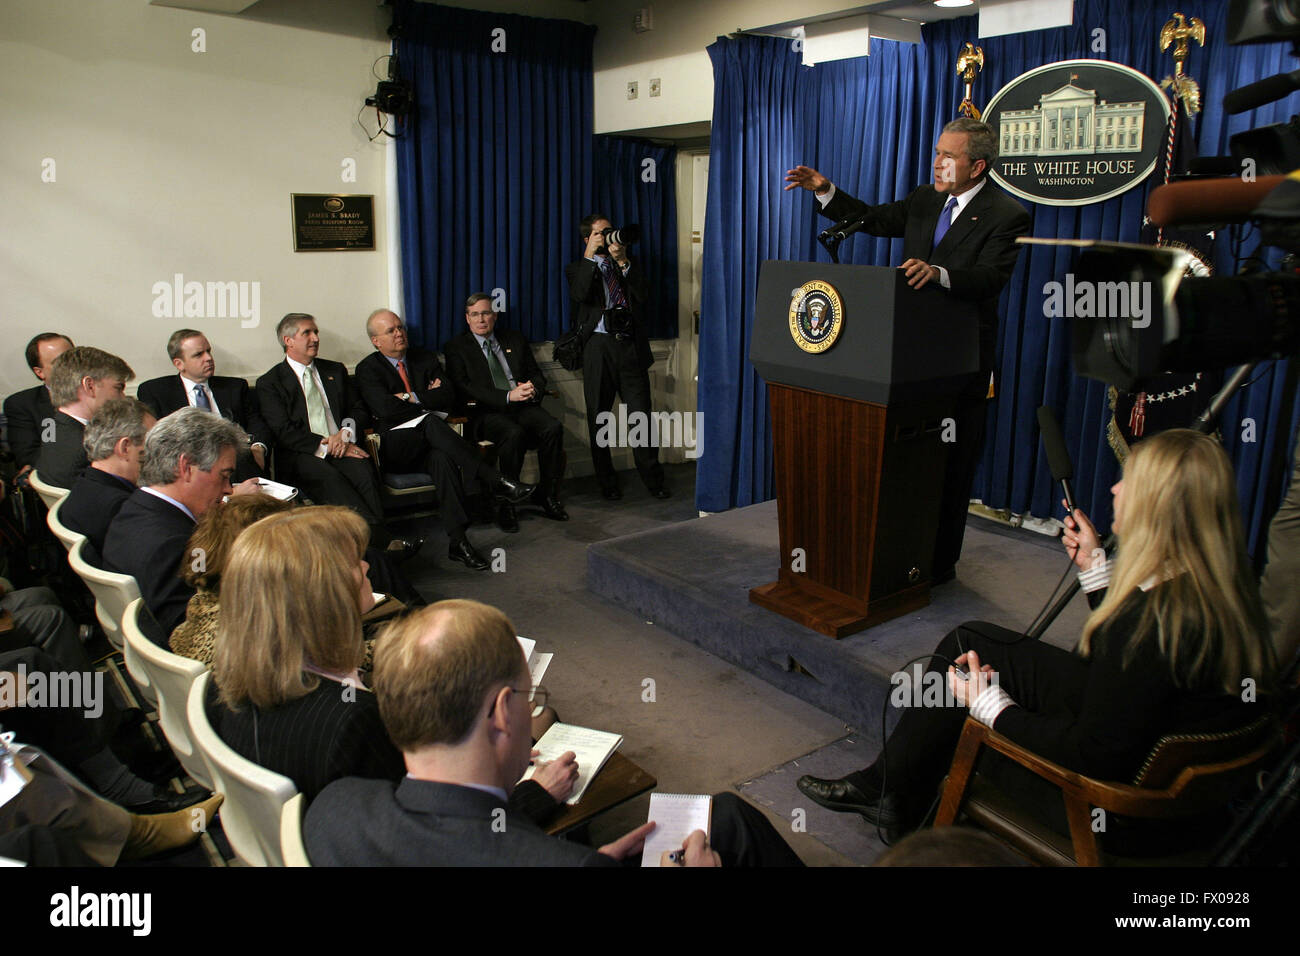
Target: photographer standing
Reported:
point(608, 291)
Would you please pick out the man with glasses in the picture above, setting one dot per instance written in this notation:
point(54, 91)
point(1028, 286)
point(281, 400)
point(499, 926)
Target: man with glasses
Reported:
point(408, 395)
point(495, 368)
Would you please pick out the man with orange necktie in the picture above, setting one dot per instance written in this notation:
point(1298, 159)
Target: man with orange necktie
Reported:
point(400, 383)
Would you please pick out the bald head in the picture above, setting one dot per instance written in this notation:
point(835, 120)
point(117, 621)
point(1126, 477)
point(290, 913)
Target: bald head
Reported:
point(436, 668)
point(387, 332)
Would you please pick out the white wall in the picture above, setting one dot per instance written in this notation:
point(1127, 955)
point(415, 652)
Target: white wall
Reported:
point(171, 161)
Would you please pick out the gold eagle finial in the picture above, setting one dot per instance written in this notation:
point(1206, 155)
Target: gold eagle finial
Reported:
point(969, 63)
point(1176, 33)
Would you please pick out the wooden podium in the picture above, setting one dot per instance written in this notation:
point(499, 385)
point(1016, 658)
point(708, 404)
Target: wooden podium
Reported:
point(859, 431)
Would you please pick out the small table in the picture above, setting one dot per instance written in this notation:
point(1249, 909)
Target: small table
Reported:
point(618, 781)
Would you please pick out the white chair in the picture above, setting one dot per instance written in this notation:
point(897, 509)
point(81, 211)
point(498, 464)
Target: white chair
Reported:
point(49, 493)
point(113, 592)
point(171, 677)
point(291, 845)
point(61, 531)
point(255, 797)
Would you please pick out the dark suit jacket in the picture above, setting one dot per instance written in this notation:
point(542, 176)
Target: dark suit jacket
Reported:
point(380, 385)
point(357, 822)
point(62, 461)
point(92, 504)
point(279, 395)
point(24, 412)
point(587, 293)
point(235, 400)
point(979, 250)
point(468, 367)
point(148, 541)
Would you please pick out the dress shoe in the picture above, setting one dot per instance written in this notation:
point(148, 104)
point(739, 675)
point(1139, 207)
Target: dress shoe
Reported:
point(611, 493)
point(660, 492)
point(463, 551)
point(512, 491)
point(157, 833)
point(507, 518)
point(168, 801)
point(841, 795)
point(552, 508)
point(400, 549)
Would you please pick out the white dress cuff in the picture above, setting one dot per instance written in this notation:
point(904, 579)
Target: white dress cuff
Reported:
point(830, 194)
point(986, 707)
point(1095, 578)
point(943, 277)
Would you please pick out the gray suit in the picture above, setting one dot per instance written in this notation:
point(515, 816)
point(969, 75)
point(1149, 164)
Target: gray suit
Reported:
point(420, 823)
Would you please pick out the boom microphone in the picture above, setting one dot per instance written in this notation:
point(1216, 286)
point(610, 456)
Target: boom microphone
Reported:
point(1208, 201)
point(1058, 457)
point(1261, 92)
point(842, 230)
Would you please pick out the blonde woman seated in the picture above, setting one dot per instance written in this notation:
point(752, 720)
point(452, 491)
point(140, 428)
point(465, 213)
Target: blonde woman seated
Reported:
point(287, 691)
point(1168, 649)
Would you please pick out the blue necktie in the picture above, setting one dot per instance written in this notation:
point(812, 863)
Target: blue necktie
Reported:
point(945, 220)
point(201, 398)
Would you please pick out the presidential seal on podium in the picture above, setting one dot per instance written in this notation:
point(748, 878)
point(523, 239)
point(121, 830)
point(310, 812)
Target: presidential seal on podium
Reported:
point(816, 316)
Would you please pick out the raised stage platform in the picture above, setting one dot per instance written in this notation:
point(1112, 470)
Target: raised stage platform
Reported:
point(693, 579)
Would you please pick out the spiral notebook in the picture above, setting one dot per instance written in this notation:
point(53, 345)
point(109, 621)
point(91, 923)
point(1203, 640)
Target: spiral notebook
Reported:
point(676, 816)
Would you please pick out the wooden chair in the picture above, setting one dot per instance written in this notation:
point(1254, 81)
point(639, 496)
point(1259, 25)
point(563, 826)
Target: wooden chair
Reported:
point(291, 845)
point(61, 531)
point(1184, 776)
point(171, 676)
point(113, 593)
point(255, 796)
point(49, 493)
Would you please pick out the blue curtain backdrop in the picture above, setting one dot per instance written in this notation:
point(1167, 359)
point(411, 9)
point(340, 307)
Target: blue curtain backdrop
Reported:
point(635, 181)
point(870, 125)
point(494, 172)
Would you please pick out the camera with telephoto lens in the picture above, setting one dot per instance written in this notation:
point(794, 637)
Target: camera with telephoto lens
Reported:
point(624, 236)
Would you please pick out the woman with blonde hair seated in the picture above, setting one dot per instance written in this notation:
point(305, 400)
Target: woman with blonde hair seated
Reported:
point(1177, 644)
point(287, 691)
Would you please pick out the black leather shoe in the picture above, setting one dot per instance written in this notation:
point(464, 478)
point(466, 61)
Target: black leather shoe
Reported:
point(463, 551)
point(507, 518)
point(400, 549)
point(512, 491)
point(168, 801)
point(661, 492)
point(552, 508)
point(611, 493)
point(841, 795)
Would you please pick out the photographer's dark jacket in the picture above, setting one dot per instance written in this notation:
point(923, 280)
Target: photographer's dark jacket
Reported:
point(587, 291)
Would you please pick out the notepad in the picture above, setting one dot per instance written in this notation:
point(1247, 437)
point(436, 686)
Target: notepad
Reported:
point(591, 748)
point(277, 490)
point(676, 816)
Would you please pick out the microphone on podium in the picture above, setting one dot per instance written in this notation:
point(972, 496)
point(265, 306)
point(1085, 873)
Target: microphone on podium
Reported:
point(842, 229)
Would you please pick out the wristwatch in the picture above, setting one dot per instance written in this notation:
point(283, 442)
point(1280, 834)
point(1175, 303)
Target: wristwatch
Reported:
point(406, 396)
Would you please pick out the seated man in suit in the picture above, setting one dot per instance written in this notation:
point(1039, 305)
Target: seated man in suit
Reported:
point(81, 380)
point(495, 368)
point(198, 386)
point(25, 411)
point(314, 417)
point(455, 695)
point(189, 459)
point(115, 446)
point(399, 384)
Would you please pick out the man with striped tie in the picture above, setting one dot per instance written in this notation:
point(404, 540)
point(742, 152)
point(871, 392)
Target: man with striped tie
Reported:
point(407, 395)
point(959, 233)
point(195, 385)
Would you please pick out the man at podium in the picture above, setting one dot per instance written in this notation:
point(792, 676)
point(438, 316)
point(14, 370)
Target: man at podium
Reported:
point(958, 233)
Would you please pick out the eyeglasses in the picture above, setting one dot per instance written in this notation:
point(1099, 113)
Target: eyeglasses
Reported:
point(537, 696)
